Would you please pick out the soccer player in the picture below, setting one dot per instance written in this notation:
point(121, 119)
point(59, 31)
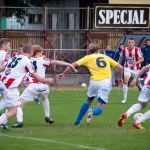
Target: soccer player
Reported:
point(12, 76)
point(99, 66)
point(36, 88)
point(133, 58)
point(2, 55)
point(143, 100)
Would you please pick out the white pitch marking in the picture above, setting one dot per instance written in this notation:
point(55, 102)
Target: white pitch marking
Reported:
point(53, 141)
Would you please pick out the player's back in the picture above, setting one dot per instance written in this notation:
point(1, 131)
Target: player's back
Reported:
point(39, 65)
point(99, 65)
point(16, 69)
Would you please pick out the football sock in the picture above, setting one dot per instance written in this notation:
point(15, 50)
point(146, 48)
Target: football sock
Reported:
point(82, 112)
point(146, 116)
point(97, 111)
point(46, 107)
point(3, 119)
point(134, 108)
point(19, 114)
point(125, 91)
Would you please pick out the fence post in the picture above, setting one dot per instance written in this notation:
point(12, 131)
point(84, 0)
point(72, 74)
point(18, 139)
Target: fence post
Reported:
point(45, 17)
point(88, 17)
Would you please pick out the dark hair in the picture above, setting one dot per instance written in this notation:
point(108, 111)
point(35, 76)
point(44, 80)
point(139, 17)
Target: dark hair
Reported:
point(27, 48)
point(121, 44)
point(147, 40)
point(131, 39)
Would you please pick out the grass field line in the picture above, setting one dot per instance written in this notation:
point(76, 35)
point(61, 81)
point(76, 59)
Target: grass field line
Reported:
point(53, 141)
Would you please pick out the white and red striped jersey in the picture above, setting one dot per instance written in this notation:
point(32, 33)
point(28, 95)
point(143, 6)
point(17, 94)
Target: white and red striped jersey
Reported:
point(147, 78)
point(39, 65)
point(15, 71)
point(130, 56)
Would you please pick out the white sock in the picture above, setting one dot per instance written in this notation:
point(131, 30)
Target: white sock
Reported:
point(146, 116)
point(46, 107)
point(19, 114)
point(125, 91)
point(134, 108)
point(3, 119)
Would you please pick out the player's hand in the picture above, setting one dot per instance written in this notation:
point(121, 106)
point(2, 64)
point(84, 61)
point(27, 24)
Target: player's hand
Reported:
point(73, 68)
point(133, 83)
point(59, 76)
point(133, 62)
point(50, 80)
point(120, 81)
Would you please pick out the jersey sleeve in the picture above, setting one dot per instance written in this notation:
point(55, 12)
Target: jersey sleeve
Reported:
point(82, 61)
point(28, 67)
point(46, 61)
point(112, 62)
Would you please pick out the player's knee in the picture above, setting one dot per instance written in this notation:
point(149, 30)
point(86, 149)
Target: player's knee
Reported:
point(90, 99)
point(101, 101)
point(143, 104)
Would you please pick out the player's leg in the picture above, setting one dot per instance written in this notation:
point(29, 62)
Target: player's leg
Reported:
point(127, 76)
point(103, 94)
point(45, 102)
point(37, 99)
point(11, 98)
point(92, 92)
point(19, 117)
point(146, 115)
point(136, 107)
point(25, 97)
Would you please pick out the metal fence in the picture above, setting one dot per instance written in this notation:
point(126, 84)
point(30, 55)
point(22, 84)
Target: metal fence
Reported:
point(63, 39)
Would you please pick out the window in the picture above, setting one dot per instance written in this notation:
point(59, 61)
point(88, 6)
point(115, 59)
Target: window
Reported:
point(70, 21)
point(35, 19)
point(53, 21)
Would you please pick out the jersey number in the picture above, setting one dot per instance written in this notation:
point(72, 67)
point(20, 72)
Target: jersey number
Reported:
point(34, 65)
point(14, 62)
point(101, 62)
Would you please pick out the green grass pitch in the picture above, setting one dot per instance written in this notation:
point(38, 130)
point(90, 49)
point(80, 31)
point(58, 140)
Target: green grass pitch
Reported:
point(101, 134)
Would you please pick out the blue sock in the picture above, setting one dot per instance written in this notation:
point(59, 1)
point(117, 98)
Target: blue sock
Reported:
point(82, 111)
point(97, 111)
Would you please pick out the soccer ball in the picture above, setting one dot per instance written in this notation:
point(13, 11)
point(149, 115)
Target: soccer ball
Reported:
point(137, 116)
point(83, 85)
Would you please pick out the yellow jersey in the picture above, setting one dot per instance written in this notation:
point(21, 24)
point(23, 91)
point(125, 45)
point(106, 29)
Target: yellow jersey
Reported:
point(98, 64)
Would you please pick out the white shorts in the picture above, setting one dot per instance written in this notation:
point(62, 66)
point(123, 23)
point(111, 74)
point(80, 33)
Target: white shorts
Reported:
point(33, 90)
point(131, 73)
point(10, 96)
point(144, 94)
point(99, 88)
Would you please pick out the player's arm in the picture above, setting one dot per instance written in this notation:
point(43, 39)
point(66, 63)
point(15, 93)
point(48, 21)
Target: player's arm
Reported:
point(141, 72)
point(119, 69)
point(120, 59)
point(57, 62)
point(141, 58)
point(41, 79)
point(80, 62)
point(75, 65)
point(2, 68)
